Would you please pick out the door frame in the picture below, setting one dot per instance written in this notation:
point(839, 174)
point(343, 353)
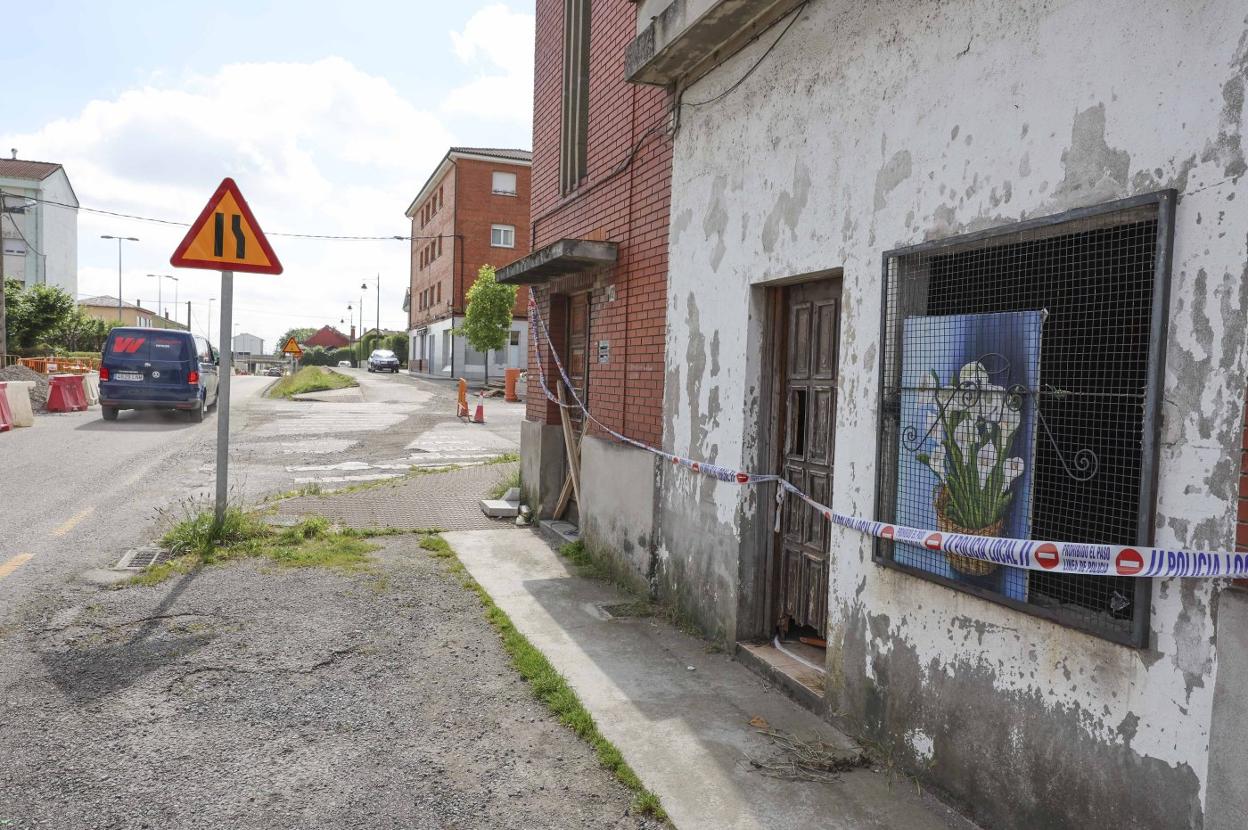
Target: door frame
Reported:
point(770, 454)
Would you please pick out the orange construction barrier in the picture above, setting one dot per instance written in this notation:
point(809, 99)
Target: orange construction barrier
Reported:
point(6, 414)
point(510, 378)
point(462, 410)
point(66, 394)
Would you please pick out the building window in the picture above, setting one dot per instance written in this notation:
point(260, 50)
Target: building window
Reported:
point(575, 123)
point(439, 293)
point(14, 247)
point(515, 337)
point(503, 236)
point(1021, 397)
point(504, 184)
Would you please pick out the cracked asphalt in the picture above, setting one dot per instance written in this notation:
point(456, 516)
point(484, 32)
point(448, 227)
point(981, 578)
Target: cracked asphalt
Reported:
point(250, 696)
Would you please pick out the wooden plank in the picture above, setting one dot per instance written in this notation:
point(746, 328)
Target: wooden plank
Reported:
point(570, 445)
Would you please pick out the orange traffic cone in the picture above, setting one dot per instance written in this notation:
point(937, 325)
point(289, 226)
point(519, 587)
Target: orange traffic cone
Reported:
point(478, 417)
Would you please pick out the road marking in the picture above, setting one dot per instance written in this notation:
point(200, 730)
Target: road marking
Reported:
point(15, 563)
point(73, 521)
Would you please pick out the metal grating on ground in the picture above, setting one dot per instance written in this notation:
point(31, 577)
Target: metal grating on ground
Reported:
point(136, 559)
point(447, 500)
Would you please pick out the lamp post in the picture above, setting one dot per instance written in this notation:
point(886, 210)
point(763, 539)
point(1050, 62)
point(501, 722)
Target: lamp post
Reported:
point(351, 330)
point(120, 239)
point(160, 297)
point(364, 287)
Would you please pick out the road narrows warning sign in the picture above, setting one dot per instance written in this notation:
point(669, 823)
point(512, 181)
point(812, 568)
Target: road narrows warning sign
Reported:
point(226, 237)
point(292, 348)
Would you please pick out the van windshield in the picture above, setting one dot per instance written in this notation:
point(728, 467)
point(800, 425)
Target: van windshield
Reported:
point(148, 347)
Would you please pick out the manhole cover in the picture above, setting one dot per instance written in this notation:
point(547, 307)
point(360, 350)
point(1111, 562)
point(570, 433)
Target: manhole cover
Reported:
point(628, 610)
point(136, 559)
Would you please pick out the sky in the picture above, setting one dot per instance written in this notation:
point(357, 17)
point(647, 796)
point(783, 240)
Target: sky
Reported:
point(329, 116)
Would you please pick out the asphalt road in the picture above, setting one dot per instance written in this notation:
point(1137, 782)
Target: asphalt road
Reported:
point(247, 696)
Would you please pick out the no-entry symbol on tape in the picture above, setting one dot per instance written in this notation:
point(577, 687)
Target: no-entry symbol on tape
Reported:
point(1129, 562)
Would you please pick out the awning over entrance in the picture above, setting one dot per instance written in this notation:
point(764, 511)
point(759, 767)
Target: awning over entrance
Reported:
point(567, 256)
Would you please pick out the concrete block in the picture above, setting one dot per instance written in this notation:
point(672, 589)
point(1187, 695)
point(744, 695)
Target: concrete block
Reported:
point(500, 508)
point(91, 387)
point(18, 394)
point(541, 465)
point(617, 517)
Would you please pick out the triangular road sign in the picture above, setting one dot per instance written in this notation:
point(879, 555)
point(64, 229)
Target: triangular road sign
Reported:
point(226, 237)
point(292, 347)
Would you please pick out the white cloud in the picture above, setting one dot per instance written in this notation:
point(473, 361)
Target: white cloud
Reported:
point(316, 147)
point(497, 45)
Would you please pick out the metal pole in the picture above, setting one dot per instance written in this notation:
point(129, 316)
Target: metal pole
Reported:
point(4, 342)
point(160, 299)
point(119, 317)
point(224, 372)
point(379, 304)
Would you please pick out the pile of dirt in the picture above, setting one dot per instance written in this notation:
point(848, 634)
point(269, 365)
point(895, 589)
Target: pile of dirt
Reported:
point(38, 393)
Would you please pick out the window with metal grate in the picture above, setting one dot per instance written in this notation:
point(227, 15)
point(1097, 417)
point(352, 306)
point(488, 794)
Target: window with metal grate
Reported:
point(1021, 391)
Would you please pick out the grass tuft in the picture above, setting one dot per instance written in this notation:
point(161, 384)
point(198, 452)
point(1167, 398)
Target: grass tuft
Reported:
point(310, 379)
point(504, 484)
point(549, 686)
point(312, 543)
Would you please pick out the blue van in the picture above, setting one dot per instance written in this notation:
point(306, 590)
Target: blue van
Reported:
point(143, 368)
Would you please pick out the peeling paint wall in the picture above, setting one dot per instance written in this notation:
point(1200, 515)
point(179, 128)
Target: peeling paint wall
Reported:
point(875, 126)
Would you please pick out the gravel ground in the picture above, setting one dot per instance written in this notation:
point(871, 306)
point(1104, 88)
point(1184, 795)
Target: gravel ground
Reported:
point(38, 393)
point(247, 697)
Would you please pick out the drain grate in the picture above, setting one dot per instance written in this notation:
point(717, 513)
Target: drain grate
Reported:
point(628, 610)
point(136, 559)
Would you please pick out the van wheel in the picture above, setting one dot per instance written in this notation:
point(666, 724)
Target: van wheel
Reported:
point(197, 414)
point(109, 413)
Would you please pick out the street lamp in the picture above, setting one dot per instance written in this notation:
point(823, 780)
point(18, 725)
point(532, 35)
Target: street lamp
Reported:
point(160, 298)
point(120, 239)
point(364, 287)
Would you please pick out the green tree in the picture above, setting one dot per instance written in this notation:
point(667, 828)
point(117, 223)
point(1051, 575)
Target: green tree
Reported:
point(487, 320)
point(79, 332)
point(34, 313)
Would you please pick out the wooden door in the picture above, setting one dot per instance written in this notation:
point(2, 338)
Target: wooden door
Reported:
point(578, 354)
point(808, 376)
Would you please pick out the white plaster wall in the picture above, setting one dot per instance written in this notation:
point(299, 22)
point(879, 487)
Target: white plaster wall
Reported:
point(875, 126)
point(58, 232)
point(499, 359)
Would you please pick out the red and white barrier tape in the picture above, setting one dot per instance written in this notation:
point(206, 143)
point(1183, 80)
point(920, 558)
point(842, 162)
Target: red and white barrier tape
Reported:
point(1030, 554)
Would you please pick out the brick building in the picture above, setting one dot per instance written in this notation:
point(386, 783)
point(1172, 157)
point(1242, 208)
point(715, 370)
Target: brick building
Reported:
point(598, 271)
point(473, 211)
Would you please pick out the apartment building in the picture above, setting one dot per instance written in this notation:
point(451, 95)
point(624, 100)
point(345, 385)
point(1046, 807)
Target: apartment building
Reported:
point(472, 211)
point(38, 224)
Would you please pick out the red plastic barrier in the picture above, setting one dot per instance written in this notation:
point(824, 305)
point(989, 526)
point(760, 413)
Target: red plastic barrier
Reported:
point(6, 414)
point(66, 394)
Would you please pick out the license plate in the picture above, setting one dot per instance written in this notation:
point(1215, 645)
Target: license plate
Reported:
point(132, 376)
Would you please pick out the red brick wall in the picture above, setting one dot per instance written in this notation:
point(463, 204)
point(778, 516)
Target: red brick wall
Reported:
point(469, 208)
point(629, 207)
point(478, 207)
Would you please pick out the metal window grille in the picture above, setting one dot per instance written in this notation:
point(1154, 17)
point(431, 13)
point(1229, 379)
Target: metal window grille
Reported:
point(1044, 340)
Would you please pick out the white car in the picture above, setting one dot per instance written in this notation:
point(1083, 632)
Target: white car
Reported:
point(344, 364)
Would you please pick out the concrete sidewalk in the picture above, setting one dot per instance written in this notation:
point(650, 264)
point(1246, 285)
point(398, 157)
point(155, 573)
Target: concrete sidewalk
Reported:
point(680, 715)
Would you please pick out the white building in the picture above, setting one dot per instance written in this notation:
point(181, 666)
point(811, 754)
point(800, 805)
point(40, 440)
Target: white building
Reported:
point(39, 224)
point(1061, 187)
point(248, 344)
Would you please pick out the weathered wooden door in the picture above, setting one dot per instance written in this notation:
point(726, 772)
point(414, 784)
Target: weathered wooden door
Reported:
point(578, 353)
point(811, 314)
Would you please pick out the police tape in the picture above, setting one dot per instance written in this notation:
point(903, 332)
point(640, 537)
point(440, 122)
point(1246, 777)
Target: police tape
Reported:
point(1089, 559)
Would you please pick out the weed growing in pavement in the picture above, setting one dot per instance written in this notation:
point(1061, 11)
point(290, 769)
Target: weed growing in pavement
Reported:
point(310, 379)
point(313, 542)
point(548, 685)
point(505, 458)
point(504, 484)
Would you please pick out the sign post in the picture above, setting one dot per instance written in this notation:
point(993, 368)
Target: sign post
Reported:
point(244, 247)
point(224, 373)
